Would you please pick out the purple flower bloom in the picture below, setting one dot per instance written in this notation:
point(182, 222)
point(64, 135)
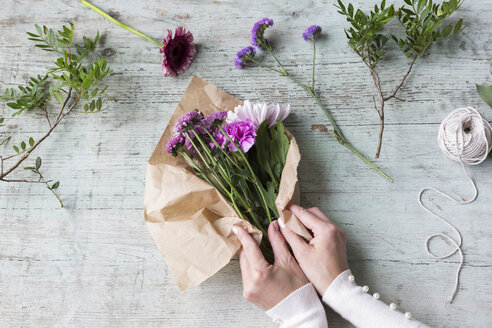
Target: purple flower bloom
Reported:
point(178, 52)
point(187, 121)
point(244, 55)
point(257, 38)
point(174, 144)
point(312, 33)
point(215, 119)
point(243, 133)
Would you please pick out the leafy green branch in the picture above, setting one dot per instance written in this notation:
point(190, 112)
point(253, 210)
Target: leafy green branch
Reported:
point(421, 20)
point(71, 82)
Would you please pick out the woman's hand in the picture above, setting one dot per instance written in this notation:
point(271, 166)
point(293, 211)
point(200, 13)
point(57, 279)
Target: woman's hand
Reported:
point(265, 285)
point(325, 256)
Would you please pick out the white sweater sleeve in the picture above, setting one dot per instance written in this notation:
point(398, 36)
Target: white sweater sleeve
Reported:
point(301, 309)
point(364, 310)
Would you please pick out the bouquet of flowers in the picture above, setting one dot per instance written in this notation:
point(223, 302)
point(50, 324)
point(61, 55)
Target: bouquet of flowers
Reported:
point(219, 163)
point(241, 153)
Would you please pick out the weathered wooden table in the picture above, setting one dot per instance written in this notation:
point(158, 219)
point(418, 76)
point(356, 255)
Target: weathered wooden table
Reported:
point(94, 264)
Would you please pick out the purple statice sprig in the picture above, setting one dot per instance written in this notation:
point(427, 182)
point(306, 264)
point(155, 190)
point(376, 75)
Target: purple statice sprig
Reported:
point(258, 31)
point(188, 121)
point(312, 33)
point(243, 56)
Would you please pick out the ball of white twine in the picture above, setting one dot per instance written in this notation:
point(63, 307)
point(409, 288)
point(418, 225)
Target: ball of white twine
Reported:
point(464, 136)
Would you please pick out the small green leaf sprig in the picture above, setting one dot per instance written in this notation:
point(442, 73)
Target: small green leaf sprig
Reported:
point(485, 91)
point(421, 20)
point(73, 82)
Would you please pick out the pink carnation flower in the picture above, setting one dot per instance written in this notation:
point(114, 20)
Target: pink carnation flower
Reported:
point(243, 133)
point(178, 52)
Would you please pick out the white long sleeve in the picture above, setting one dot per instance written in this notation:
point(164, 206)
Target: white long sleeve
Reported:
point(361, 309)
point(301, 309)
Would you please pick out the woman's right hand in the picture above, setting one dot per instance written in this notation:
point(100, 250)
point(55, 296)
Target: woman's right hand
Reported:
point(325, 256)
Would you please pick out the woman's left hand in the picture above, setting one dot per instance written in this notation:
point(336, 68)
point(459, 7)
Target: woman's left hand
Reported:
point(265, 285)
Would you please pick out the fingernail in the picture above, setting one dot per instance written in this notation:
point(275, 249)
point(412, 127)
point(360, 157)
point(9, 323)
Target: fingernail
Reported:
point(281, 223)
point(234, 229)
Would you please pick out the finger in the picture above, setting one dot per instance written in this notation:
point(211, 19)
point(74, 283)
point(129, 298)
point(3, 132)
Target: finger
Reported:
point(244, 264)
point(316, 211)
point(280, 251)
point(251, 249)
point(296, 242)
point(307, 218)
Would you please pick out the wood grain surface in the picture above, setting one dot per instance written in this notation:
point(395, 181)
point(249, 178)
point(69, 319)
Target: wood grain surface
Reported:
point(94, 264)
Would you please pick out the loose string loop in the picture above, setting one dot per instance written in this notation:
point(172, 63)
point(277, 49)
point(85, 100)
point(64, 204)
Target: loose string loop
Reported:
point(464, 136)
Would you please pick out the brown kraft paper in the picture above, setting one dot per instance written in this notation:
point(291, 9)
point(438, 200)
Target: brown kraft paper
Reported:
point(189, 220)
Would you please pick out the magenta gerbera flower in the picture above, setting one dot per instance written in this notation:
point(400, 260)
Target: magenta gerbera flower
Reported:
point(178, 52)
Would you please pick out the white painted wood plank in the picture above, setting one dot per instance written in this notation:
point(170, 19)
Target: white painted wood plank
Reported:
point(93, 264)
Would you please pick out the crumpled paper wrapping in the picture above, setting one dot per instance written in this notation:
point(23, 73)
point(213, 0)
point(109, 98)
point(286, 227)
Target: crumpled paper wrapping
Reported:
point(190, 221)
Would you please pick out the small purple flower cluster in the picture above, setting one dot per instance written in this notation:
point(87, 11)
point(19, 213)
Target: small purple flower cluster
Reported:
point(244, 55)
point(311, 33)
point(193, 130)
point(257, 37)
point(258, 40)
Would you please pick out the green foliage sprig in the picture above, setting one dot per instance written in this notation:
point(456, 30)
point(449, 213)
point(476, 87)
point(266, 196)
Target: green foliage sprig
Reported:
point(73, 82)
point(421, 20)
point(485, 91)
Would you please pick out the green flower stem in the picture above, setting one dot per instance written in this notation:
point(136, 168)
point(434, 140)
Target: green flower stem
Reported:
point(336, 130)
point(255, 178)
point(266, 66)
point(221, 168)
point(217, 178)
point(314, 60)
point(126, 27)
point(196, 167)
point(219, 147)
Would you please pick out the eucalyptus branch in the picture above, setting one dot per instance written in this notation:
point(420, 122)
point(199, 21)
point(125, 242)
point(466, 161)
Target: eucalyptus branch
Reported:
point(70, 76)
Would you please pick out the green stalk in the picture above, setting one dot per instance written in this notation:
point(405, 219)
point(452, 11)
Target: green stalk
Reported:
point(126, 27)
point(314, 60)
point(336, 130)
point(207, 164)
point(211, 157)
point(255, 178)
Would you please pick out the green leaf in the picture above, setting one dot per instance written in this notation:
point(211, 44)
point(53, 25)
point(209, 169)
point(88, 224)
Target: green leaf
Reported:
point(279, 145)
point(263, 148)
point(16, 149)
point(457, 27)
point(38, 163)
point(55, 185)
point(31, 141)
point(23, 145)
point(14, 105)
point(485, 92)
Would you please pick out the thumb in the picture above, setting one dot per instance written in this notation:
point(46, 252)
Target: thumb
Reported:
point(296, 242)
